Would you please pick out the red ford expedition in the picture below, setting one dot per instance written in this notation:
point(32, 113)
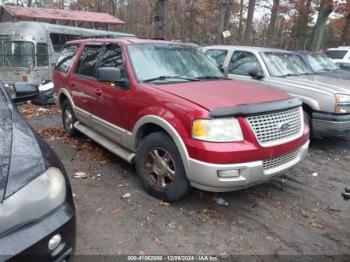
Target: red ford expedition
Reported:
point(168, 109)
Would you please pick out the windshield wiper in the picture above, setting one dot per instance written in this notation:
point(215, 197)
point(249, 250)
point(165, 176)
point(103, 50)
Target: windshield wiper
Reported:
point(169, 77)
point(211, 78)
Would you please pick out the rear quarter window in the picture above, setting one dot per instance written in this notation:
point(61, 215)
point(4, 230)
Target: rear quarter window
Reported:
point(65, 59)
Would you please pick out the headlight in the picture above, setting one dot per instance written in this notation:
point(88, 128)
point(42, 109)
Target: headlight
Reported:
point(217, 130)
point(342, 103)
point(35, 200)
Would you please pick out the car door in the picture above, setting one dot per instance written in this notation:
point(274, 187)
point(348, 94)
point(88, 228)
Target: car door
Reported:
point(110, 117)
point(83, 82)
point(240, 63)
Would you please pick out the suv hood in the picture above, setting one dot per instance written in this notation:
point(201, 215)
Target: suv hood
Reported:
point(340, 73)
point(318, 82)
point(223, 93)
point(20, 154)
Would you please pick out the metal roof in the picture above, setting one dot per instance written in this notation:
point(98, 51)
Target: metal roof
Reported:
point(61, 15)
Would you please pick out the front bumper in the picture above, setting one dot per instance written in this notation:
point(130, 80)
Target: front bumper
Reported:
point(330, 125)
point(30, 242)
point(204, 175)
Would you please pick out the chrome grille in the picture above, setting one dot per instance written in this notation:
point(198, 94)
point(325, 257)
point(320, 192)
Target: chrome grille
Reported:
point(268, 130)
point(279, 161)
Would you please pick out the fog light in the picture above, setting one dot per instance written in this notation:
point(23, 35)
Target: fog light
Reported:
point(228, 173)
point(54, 242)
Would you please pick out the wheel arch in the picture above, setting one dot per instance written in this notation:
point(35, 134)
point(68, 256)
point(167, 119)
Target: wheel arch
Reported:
point(152, 123)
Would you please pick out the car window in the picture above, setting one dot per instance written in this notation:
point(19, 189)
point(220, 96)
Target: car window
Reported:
point(88, 60)
point(336, 54)
point(113, 57)
point(1, 55)
point(217, 56)
point(65, 59)
point(241, 62)
point(42, 57)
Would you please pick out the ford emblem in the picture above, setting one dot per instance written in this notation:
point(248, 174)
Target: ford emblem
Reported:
point(283, 126)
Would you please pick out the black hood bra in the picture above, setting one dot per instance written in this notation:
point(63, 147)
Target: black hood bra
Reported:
point(21, 158)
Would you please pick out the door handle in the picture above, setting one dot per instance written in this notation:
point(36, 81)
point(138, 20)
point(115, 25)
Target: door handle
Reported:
point(98, 92)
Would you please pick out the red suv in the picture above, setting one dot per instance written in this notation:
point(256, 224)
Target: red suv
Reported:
point(168, 109)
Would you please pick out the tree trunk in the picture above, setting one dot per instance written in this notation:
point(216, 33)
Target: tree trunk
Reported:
point(299, 33)
point(189, 17)
point(160, 19)
point(221, 23)
point(240, 26)
point(272, 26)
point(346, 31)
point(326, 8)
point(249, 24)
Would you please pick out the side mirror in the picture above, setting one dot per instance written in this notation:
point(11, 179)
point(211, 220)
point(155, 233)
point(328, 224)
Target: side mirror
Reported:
point(256, 73)
point(24, 92)
point(222, 69)
point(111, 74)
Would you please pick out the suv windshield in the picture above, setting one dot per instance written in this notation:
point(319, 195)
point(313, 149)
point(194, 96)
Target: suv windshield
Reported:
point(171, 62)
point(285, 64)
point(19, 54)
point(320, 62)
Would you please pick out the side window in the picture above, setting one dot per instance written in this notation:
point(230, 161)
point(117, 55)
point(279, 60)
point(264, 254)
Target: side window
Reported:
point(42, 56)
point(65, 59)
point(241, 62)
point(1, 55)
point(217, 56)
point(88, 61)
point(58, 40)
point(113, 57)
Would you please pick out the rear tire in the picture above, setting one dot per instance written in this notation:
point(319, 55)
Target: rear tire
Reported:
point(160, 169)
point(68, 119)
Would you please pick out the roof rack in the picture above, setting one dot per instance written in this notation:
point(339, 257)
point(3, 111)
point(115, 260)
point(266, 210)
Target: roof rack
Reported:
point(112, 36)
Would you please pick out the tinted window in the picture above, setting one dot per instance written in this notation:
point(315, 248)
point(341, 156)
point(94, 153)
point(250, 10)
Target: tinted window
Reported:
point(19, 54)
point(217, 56)
point(113, 57)
point(336, 54)
point(58, 40)
point(42, 57)
point(241, 62)
point(1, 55)
point(88, 61)
point(65, 59)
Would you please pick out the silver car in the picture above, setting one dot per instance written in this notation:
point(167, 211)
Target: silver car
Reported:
point(326, 101)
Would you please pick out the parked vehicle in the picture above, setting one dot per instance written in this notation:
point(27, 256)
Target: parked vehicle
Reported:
point(326, 100)
point(37, 214)
point(340, 56)
point(320, 64)
point(168, 109)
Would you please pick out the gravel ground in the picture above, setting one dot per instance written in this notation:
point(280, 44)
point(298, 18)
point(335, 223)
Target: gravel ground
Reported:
point(301, 213)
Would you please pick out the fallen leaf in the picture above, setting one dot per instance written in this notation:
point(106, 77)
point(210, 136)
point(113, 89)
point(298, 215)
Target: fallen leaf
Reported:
point(126, 196)
point(163, 203)
point(141, 253)
point(80, 175)
point(157, 241)
point(152, 211)
point(318, 225)
point(116, 210)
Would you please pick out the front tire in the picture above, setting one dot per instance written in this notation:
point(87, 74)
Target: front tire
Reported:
point(68, 119)
point(160, 169)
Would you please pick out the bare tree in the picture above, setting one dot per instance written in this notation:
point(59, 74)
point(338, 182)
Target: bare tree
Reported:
point(326, 8)
point(270, 37)
point(160, 18)
point(249, 24)
point(346, 31)
point(299, 33)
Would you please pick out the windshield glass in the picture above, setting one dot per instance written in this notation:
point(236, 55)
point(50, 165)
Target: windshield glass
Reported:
point(19, 54)
point(165, 60)
point(285, 64)
point(320, 62)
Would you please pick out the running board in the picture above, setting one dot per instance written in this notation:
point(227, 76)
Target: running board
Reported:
point(106, 143)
